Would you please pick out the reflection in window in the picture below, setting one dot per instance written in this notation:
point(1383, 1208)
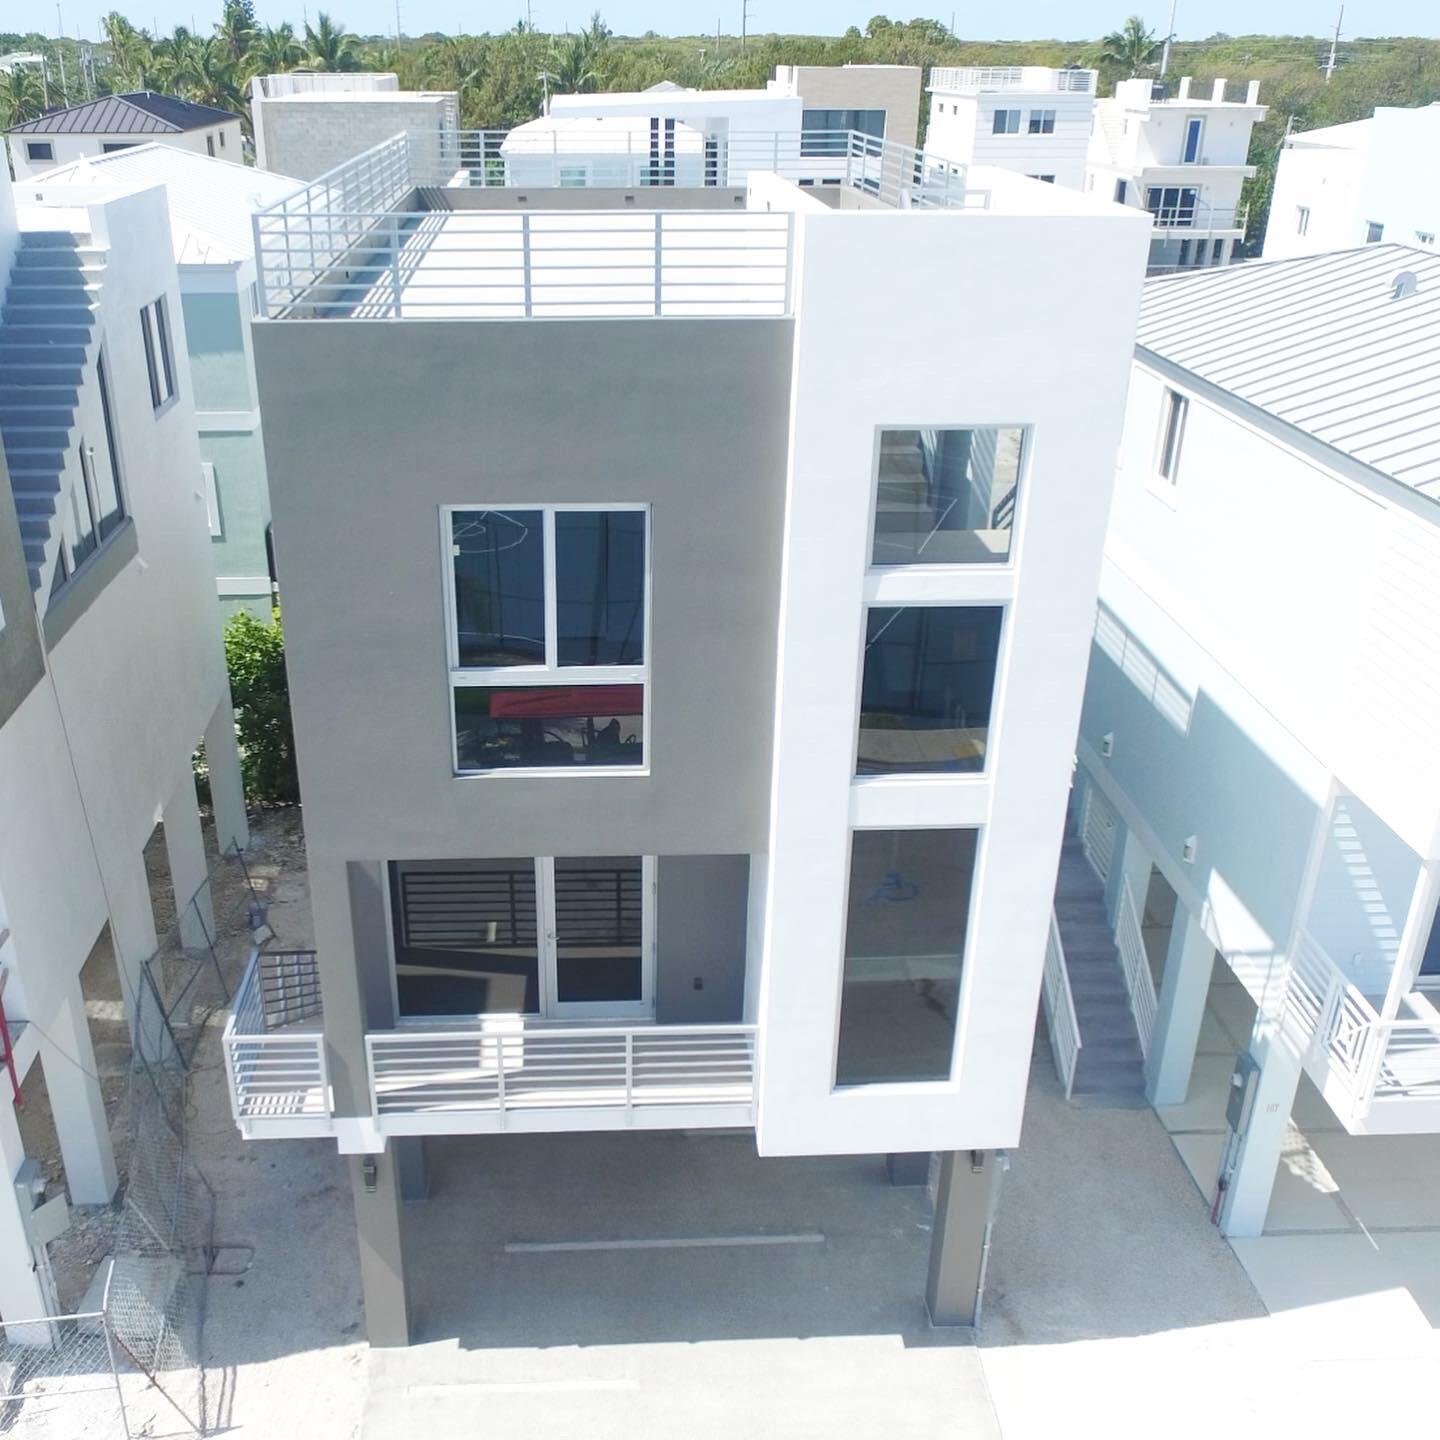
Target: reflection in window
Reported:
point(600, 586)
point(906, 917)
point(946, 497)
point(928, 684)
point(512, 727)
point(499, 560)
point(599, 930)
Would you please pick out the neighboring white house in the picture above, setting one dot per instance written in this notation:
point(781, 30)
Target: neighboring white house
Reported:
point(111, 669)
point(1031, 119)
point(1258, 747)
point(211, 205)
point(1182, 158)
point(701, 762)
point(1357, 184)
point(116, 122)
point(306, 124)
point(604, 150)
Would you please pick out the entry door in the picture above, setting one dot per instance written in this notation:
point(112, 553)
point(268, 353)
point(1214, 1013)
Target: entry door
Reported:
point(598, 958)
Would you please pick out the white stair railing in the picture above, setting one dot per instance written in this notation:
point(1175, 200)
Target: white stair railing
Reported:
point(1060, 1017)
point(1135, 965)
point(1098, 823)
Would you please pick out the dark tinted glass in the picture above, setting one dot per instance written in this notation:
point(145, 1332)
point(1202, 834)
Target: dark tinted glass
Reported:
point(598, 929)
point(515, 727)
point(928, 683)
point(906, 917)
point(499, 560)
point(946, 497)
point(600, 586)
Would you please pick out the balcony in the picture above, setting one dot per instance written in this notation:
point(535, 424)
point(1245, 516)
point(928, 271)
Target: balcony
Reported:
point(410, 231)
point(968, 80)
point(1379, 1076)
point(1199, 220)
point(489, 1074)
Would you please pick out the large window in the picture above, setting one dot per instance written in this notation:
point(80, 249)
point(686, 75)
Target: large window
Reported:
point(155, 329)
point(1005, 122)
point(548, 649)
point(927, 689)
point(906, 919)
point(1172, 204)
point(39, 150)
point(827, 132)
point(946, 497)
point(1042, 122)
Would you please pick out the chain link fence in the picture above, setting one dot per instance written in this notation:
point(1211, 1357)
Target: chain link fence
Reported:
point(60, 1377)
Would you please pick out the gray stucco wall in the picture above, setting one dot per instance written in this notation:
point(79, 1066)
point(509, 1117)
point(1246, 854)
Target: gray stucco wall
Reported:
point(370, 427)
point(701, 904)
point(22, 660)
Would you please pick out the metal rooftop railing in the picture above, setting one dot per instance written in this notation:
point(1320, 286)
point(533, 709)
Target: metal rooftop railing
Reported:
point(385, 235)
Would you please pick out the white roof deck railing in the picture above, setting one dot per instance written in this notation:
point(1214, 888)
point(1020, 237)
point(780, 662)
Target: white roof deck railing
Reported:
point(963, 79)
point(365, 240)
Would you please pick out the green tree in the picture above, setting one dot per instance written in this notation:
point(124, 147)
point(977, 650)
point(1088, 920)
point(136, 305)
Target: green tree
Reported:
point(22, 96)
point(1129, 50)
point(329, 46)
point(275, 50)
point(574, 65)
point(255, 657)
point(132, 56)
point(237, 30)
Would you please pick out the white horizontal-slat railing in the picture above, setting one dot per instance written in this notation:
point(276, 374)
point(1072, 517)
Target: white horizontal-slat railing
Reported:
point(1135, 965)
point(1098, 825)
point(1060, 1017)
point(510, 1064)
point(275, 1059)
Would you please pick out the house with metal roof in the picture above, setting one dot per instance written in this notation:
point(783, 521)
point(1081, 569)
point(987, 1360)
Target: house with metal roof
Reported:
point(212, 204)
point(116, 122)
point(1257, 798)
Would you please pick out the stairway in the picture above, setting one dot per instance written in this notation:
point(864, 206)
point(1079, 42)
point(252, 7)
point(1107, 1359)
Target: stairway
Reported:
point(46, 328)
point(1110, 1072)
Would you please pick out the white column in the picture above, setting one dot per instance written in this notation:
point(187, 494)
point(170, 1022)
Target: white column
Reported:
point(23, 1289)
point(1247, 1198)
point(76, 1103)
point(185, 846)
point(227, 788)
point(1184, 988)
point(132, 929)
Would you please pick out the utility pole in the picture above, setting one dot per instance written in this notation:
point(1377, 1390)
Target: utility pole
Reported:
point(1169, 36)
point(1334, 43)
point(744, 21)
point(60, 52)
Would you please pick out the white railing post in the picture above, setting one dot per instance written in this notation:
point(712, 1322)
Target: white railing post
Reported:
point(659, 261)
point(499, 1073)
point(262, 299)
point(789, 261)
point(525, 261)
point(629, 1074)
point(395, 264)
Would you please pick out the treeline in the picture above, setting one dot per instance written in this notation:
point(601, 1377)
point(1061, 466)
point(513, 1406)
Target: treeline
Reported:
point(502, 79)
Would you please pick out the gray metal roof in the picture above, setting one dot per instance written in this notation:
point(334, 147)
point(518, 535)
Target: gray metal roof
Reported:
point(140, 112)
point(1322, 343)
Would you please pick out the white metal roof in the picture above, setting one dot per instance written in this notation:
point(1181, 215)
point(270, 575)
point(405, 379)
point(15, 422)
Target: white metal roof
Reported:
point(211, 201)
point(1321, 342)
point(579, 134)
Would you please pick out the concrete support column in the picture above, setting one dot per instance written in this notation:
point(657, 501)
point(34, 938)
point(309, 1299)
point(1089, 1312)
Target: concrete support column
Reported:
point(375, 1180)
point(1257, 1151)
point(909, 1168)
point(414, 1173)
point(1189, 961)
point(227, 787)
point(24, 1287)
point(964, 1208)
point(1131, 861)
point(68, 1056)
point(185, 845)
point(132, 931)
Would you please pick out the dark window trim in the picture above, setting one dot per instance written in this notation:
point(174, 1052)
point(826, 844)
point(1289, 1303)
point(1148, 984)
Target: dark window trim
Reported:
point(88, 580)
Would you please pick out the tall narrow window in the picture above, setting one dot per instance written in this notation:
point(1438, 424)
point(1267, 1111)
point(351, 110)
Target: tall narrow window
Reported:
point(155, 330)
point(946, 497)
point(1194, 129)
point(907, 914)
point(548, 649)
point(927, 689)
point(1302, 219)
point(1172, 435)
point(108, 481)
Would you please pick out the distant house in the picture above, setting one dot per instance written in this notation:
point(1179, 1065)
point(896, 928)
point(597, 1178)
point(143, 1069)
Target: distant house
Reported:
point(116, 122)
point(211, 204)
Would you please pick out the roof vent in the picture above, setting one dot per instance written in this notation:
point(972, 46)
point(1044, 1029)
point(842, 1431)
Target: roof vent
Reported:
point(1405, 284)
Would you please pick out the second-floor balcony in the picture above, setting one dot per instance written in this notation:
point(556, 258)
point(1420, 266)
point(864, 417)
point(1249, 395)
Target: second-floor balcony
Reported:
point(477, 1075)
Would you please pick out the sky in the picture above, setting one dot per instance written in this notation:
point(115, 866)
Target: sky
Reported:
point(1016, 20)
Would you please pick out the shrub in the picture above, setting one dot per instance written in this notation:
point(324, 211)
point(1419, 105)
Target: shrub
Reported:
point(255, 657)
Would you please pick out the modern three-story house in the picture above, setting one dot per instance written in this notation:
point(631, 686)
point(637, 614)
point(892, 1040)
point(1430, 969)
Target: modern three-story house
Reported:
point(688, 593)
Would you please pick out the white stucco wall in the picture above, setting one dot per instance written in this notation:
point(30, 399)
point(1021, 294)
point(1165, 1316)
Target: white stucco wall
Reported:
point(69, 148)
point(905, 349)
point(962, 129)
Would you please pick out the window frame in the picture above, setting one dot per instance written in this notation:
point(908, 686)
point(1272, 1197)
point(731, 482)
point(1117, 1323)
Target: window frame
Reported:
point(159, 353)
point(46, 146)
point(1174, 409)
point(1190, 154)
point(212, 500)
point(1000, 120)
point(1302, 219)
point(494, 677)
point(1040, 122)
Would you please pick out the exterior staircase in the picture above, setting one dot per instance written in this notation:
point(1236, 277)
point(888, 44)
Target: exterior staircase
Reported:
point(47, 326)
point(1110, 1071)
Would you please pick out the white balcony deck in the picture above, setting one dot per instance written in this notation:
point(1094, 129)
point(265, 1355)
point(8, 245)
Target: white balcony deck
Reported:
point(505, 1072)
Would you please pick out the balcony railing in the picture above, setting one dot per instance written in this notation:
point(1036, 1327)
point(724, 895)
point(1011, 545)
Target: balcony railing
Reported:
point(1199, 219)
point(1361, 1058)
point(274, 1050)
point(1060, 1017)
point(964, 79)
point(514, 1072)
point(369, 239)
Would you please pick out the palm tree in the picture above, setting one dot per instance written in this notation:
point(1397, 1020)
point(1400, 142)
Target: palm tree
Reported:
point(574, 65)
point(22, 96)
point(132, 57)
point(236, 30)
point(275, 50)
point(331, 47)
point(1130, 49)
